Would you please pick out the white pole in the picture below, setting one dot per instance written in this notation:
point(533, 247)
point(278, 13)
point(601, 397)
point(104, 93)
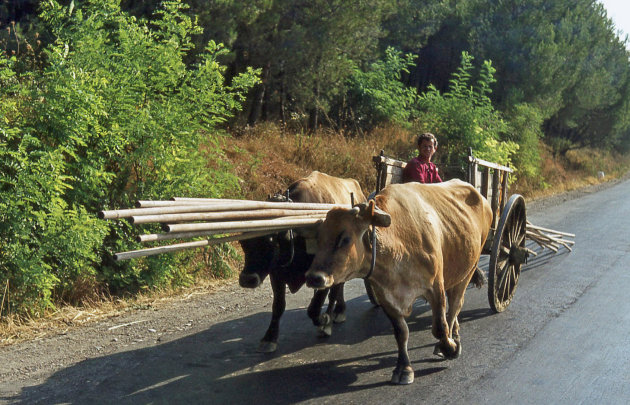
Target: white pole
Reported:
point(187, 245)
point(223, 215)
point(230, 206)
point(152, 237)
point(238, 225)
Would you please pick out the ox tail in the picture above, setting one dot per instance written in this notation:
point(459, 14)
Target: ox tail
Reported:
point(478, 278)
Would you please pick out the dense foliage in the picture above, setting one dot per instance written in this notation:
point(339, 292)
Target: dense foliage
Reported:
point(106, 101)
point(561, 61)
point(466, 113)
point(115, 116)
point(377, 95)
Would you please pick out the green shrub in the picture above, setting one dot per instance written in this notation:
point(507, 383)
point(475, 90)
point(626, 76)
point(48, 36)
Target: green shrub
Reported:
point(115, 116)
point(526, 130)
point(463, 117)
point(378, 94)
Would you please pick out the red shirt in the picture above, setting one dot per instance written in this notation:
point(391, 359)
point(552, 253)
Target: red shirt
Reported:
point(421, 172)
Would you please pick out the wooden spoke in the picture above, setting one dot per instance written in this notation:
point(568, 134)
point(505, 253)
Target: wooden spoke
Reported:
point(504, 267)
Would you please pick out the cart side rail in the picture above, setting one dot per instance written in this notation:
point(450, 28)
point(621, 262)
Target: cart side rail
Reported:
point(388, 170)
point(491, 180)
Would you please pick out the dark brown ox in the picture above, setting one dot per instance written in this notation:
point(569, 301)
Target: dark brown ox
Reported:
point(429, 239)
point(286, 258)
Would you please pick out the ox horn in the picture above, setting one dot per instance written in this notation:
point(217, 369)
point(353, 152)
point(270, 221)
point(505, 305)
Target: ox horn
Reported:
point(381, 218)
point(370, 212)
point(377, 216)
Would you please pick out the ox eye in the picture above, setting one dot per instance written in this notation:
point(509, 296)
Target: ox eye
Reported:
point(342, 241)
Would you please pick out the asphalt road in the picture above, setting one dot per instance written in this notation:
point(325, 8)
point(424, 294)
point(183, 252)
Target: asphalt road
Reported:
point(563, 340)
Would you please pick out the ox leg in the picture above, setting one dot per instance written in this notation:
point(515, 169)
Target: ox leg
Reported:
point(403, 373)
point(455, 304)
point(315, 307)
point(326, 319)
point(335, 311)
point(446, 347)
point(269, 342)
point(322, 321)
point(339, 315)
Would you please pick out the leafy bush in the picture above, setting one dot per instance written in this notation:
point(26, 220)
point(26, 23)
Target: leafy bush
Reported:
point(115, 116)
point(379, 95)
point(464, 117)
point(526, 130)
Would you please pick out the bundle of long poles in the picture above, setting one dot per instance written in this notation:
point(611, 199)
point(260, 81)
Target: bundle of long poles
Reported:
point(185, 218)
point(549, 238)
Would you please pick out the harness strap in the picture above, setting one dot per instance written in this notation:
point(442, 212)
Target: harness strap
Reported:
point(291, 240)
point(373, 242)
point(373, 261)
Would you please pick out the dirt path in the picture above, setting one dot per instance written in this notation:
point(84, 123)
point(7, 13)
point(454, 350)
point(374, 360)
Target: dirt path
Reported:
point(135, 328)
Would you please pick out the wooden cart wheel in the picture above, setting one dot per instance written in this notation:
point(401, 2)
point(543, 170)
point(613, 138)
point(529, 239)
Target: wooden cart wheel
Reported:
point(507, 255)
point(370, 293)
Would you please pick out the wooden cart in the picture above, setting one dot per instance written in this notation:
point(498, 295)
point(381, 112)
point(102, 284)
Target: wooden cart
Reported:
point(243, 219)
point(506, 240)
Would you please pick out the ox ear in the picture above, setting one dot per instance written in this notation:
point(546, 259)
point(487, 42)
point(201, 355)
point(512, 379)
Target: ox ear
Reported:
point(381, 218)
point(374, 215)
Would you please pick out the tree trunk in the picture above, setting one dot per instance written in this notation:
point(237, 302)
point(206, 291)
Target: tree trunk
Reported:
point(259, 97)
point(314, 114)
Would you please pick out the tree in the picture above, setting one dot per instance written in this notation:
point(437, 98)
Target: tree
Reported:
point(435, 31)
point(593, 105)
point(564, 58)
point(306, 50)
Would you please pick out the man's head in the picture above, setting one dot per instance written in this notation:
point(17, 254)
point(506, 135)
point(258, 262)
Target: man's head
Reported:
point(427, 145)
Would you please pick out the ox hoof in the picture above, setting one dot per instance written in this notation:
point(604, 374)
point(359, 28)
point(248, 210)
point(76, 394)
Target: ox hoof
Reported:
point(402, 377)
point(437, 351)
point(325, 326)
point(458, 351)
point(447, 352)
point(267, 347)
point(324, 331)
point(339, 318)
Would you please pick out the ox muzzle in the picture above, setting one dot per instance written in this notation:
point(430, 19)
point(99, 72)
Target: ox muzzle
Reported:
point(249, 280)
point(318, 279)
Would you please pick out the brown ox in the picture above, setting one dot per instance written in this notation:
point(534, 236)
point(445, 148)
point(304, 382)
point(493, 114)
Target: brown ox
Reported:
point(286, 261)
point(429, 239)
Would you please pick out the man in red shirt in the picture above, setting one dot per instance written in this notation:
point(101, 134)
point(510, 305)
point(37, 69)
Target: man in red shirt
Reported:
point(420, 168)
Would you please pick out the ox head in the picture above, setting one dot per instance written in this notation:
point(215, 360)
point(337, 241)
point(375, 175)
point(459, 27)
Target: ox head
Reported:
point(264, 253)
point(275, 254)
point(343, 248)
point(260, 254)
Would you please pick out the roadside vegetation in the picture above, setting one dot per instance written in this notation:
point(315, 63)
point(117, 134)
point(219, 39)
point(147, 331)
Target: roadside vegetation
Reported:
point(104, 102)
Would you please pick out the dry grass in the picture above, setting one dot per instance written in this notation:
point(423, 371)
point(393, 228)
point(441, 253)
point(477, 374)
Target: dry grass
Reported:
point(14, 329)
point(268, 159)
point(579, 168)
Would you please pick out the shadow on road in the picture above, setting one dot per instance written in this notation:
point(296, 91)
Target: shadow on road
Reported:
point(220, 365)
point(544, 258)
